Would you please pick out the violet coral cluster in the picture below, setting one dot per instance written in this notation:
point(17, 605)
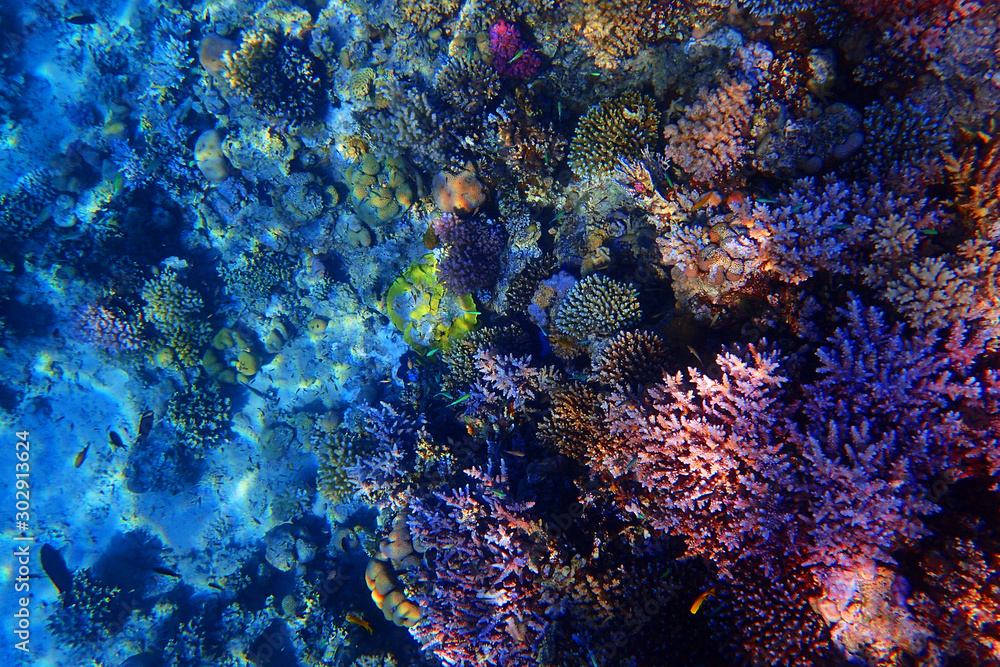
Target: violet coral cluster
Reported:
point(484, 592)
point(473, 252)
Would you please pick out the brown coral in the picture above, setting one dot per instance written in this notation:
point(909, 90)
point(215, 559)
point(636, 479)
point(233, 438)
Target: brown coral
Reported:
point(620, 127)
point(710, 141)
point(574, 424)
point(614, 30)
point(629, 359)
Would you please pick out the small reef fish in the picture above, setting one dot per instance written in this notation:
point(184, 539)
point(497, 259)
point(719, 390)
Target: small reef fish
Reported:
point(460, 399)
point(166, 572)
point(85, 18)
point(357, 620)
point(81, 457)
point(54, 565)
point(216, 586)
point(115, 440)
point(700, 600)
point(145, 424)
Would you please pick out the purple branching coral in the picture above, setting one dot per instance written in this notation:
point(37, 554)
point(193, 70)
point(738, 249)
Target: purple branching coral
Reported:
point(474, 251)
point(381, 478)
point(108, 328)
point(838, 475)
point(512, 56)
point(506, 379)
point(881, 422)
point(709, 454)
point(484, 594)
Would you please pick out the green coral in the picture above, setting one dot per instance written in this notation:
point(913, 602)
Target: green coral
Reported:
point(616, 128)
point(89, 612)
point(280, 78)
point(430, 317)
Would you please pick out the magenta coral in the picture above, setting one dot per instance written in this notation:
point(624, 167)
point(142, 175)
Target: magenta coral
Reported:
point(839, 478)
point(512, 56)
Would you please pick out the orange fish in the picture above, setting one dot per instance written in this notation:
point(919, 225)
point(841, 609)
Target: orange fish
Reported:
point(700, 600)
point(357, 620)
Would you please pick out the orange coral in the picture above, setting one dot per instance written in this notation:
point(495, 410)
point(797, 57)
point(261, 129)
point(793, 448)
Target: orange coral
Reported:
point(460, 193)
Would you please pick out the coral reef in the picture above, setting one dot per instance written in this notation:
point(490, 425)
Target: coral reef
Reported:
point(484, 598)
point(593, 333)
point(176, 313)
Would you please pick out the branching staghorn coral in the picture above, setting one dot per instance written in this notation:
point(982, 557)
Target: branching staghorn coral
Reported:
point(484, 592)
point(839, 478)
point(201, 414)
point(708, 453)
point(415, 124)
point(466, 84)
point(473, 250)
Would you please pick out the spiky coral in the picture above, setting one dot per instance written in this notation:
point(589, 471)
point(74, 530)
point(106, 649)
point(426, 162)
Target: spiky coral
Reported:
point(484, 596)
point(277, 75)
point(176, 312)
point(616, 128)
point(709, 453)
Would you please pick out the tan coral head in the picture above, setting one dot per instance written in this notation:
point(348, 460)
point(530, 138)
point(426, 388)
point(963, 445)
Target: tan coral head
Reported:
point(460, 193)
